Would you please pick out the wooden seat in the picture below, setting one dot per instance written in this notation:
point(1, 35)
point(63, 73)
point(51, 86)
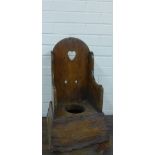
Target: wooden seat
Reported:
point(75, 117)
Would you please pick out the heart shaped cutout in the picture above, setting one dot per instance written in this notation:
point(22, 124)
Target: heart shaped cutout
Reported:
point(71, 55)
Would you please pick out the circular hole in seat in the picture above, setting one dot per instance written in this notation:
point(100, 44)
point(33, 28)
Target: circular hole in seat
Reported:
point(75, 109)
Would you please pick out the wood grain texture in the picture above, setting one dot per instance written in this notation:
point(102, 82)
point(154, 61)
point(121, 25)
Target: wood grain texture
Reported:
point(66, 70)
point(77, 119)
point(78, 132)
point(90, 150)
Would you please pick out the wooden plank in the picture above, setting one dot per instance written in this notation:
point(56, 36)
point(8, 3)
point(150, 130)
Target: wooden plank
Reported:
point(78, 132)
point(91, 150)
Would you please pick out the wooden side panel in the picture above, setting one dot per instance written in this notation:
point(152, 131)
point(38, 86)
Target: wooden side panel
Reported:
point(55, 104)
point(50, 115)
point(95, 90)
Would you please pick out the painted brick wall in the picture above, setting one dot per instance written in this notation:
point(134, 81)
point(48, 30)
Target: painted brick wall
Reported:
point(89, 20)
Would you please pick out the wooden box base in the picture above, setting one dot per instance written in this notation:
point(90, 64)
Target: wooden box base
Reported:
point(78, 132)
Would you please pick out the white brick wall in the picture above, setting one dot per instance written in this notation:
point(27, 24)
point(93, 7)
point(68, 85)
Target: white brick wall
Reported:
point(88, 20)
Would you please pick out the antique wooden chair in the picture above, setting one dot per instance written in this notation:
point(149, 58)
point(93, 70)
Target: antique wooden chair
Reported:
point(75, 117)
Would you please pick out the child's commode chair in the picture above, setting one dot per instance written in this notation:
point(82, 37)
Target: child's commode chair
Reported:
point(75, 117)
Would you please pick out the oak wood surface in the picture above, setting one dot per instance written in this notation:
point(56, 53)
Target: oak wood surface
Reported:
point(78, 132)
point(90, 150)
point(73, 80)
point(75, 117)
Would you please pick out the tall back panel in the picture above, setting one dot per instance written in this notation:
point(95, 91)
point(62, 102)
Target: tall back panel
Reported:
point(70, 69)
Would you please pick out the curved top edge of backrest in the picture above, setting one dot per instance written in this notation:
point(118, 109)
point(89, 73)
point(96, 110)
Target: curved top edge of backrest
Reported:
point(70, 76)
point(70, 41)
